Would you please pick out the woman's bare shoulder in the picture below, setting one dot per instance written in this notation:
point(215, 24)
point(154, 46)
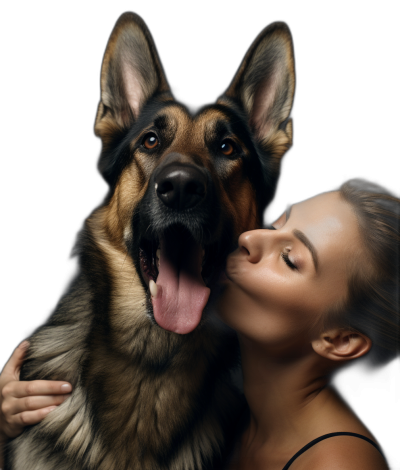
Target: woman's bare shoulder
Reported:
point(341, 453)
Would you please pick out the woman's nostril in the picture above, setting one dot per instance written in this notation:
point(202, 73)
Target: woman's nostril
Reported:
point(247, 252)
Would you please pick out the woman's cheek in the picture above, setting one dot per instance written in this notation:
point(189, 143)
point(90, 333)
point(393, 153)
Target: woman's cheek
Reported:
point(240, 309)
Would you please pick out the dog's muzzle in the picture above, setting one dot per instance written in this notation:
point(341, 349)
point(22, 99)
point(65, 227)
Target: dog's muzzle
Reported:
point(179, 253)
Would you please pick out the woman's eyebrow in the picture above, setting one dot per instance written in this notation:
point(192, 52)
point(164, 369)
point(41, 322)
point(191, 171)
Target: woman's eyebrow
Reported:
point(302, 237)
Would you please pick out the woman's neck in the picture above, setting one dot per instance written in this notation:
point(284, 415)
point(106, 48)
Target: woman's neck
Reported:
point(290, 400)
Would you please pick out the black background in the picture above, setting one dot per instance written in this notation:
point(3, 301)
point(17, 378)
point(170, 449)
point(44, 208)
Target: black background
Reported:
point(345, 123)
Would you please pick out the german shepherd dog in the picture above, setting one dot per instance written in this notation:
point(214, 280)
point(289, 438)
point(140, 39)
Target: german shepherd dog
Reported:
point(134, 334)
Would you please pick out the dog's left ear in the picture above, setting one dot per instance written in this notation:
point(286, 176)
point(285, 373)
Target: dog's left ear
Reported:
point(264, 86)
point(130, 75)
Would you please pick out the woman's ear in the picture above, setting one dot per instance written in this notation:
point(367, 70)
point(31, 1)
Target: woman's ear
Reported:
point(339, 344)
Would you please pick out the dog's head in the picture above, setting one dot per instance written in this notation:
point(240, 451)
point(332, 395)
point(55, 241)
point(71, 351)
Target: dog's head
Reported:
point(183, 186)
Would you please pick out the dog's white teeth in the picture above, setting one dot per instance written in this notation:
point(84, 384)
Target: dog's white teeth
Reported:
point(153, 288)
point(156, 186)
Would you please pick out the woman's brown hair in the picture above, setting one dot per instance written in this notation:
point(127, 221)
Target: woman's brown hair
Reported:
point(372, 304)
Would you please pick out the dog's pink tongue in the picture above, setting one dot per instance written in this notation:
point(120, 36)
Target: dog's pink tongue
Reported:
point(182, 294)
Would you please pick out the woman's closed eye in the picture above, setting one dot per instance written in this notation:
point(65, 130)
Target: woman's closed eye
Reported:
point(285, 257)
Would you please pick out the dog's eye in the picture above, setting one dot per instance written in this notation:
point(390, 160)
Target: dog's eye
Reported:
point(150, 141)
point(227, 147)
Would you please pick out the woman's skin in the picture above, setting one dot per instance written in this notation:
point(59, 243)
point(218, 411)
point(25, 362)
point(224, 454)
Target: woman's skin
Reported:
point(279, 285)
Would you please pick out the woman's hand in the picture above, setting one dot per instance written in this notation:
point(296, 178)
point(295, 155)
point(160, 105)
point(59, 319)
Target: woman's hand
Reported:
point(25, 403)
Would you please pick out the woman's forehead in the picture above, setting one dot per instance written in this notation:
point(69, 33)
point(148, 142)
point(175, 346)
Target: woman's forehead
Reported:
point(330, 223)
point(321, 207)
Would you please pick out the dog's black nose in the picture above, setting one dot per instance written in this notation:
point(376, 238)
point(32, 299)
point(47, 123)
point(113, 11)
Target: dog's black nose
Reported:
point(181, 186)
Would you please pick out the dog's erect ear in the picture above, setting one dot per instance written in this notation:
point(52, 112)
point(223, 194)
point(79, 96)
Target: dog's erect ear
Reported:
point(131, 73)
point(264, 86)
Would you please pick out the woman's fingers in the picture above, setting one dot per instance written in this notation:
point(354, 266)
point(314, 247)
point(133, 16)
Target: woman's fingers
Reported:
point(26, 403)
point(36, 403)
point(27, 418)
point(36, 388)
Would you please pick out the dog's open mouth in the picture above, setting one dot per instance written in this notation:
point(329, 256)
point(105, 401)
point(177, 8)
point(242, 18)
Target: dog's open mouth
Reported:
point(176, 269)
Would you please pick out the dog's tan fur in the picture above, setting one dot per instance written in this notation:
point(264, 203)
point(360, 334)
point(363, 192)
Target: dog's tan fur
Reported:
point(146, 398)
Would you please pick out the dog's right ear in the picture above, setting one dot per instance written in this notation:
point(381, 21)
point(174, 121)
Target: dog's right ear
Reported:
point(130, 75)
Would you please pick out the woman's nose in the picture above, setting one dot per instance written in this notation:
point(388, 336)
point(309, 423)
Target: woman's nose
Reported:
point(254, 242)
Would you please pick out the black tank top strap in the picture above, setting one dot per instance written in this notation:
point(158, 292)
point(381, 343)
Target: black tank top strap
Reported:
point(327, 436)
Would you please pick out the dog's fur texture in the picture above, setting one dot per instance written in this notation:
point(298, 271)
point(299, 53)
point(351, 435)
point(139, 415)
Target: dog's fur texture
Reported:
point(144, 397)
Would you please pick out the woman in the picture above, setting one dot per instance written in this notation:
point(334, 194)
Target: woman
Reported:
point(316, 290)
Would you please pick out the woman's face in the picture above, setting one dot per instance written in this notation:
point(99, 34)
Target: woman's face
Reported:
point(280, 282)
